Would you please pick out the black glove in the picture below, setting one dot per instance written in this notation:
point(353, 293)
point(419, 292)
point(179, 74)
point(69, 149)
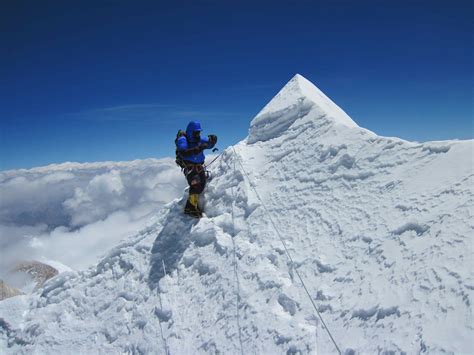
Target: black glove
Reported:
point(212, 139)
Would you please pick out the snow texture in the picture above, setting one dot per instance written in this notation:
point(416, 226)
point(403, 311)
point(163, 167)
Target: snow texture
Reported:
point(379, 229)
point(296, 100)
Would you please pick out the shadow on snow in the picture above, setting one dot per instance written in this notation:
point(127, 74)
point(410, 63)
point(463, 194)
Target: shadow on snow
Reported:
point(170, 244)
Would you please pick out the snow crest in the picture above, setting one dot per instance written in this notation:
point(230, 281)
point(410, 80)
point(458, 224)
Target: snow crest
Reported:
point(379, 229)
point(297, 99)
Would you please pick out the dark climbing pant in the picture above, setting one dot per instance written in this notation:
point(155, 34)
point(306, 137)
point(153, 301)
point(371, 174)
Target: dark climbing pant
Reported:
point(196, 176)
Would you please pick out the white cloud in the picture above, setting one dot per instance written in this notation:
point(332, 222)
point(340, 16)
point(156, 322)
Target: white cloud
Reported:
point(103, 194)
point(73, 213)
point(82, 247)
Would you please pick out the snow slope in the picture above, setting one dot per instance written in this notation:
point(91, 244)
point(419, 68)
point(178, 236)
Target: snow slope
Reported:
point(379, 229)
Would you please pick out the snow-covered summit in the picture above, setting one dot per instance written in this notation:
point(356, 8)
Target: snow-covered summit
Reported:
point(298, 98)
point(379, 229)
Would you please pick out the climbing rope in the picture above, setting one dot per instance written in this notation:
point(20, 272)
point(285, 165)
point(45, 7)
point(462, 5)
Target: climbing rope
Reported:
point(234, 256)
point(292, 264)
point(236, 274)
point(163, 338)
point(213, 160)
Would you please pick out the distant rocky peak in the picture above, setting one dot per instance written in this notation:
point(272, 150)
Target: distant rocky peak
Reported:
point(6, 291)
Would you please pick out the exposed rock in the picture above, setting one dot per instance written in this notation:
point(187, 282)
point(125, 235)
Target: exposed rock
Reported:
point(39, 272)
point(8, 291)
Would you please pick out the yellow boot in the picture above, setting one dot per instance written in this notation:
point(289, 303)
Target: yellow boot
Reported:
point(192, 207)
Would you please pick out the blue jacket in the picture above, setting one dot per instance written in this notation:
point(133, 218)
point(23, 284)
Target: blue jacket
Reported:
point(184, 143)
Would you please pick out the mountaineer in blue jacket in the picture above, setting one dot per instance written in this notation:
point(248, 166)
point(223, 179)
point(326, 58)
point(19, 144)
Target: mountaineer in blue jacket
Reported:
point(190, 157)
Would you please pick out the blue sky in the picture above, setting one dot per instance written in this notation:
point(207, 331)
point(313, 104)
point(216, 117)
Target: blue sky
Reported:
point(114, 80)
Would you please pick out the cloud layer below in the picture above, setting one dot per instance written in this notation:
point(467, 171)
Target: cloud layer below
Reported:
point(73, 213)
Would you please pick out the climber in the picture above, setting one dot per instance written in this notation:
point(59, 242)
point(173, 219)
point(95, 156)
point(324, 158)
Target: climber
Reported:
point(190, 157)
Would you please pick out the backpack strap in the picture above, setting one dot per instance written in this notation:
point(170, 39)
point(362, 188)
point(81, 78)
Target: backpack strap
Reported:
point(179, 160)
point(180, 133)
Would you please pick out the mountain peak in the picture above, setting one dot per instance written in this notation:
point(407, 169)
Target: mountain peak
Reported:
point(298, 98)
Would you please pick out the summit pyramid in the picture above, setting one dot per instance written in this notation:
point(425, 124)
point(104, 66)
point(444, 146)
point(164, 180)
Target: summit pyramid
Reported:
point(298, 98)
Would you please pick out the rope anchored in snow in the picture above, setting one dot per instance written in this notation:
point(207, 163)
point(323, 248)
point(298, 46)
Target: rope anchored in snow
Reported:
point(158, 313)
point(236, 274)
point(292, 264)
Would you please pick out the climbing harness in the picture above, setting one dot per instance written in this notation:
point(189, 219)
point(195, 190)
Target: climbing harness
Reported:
point(187, 167)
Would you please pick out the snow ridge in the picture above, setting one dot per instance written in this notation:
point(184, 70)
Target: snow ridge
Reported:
point(379, 229)
point(298, 98)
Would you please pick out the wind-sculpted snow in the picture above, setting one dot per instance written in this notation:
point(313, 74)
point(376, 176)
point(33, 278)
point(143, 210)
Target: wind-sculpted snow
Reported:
point(379, 229)
point(297, 99)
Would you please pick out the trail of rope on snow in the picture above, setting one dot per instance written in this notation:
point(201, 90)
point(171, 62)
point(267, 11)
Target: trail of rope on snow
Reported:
point(235, 270)
point(286, 251)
